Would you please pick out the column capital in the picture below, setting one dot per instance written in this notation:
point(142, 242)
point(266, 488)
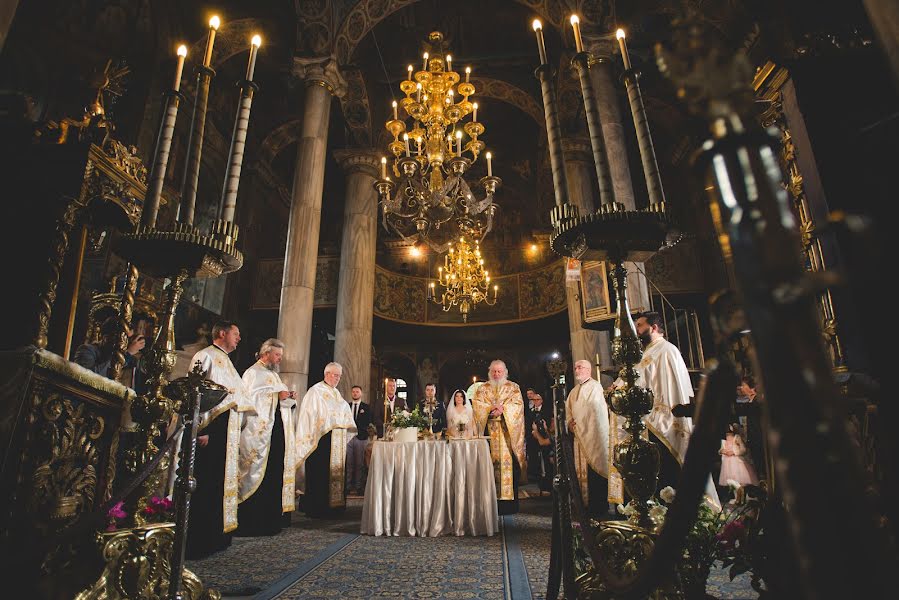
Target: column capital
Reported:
point(602, 48)
point(321, 71)
point(577, 149)
point(359, 160)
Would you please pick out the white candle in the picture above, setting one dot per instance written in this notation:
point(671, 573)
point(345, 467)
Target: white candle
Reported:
point(179, 67)
point(459, 143)
point(425, 67)
point(449, 63)
point(474, 116)
point(418, 87)
point(214, 23)
point(383, 167)
point(406, 140)
point(541, 47)
point(467, 74)
point(576, 25)
point(409, 68)
point(254, 49)
point(489, 165)
point(418, 141)
point(623, 45)
point(394, 111)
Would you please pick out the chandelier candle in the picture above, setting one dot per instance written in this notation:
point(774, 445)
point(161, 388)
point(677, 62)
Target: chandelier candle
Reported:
point(541, 47)
point(489, 165)
point(576, 26)
point(623, 46)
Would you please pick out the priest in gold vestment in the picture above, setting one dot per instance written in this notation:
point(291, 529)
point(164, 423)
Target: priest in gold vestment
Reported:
point(267, 463)
point(218, 444)
point(324, 426)
point(499, 408)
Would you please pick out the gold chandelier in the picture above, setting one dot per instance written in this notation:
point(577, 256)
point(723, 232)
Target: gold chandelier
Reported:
point(464, 281)
point(433, 203)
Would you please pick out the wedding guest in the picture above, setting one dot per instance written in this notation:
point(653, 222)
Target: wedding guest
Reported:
point(355, 449)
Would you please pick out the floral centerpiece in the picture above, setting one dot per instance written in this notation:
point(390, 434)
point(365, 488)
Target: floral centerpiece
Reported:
point(406, 425)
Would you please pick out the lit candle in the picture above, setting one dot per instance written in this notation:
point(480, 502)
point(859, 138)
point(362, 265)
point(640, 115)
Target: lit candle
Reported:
point(418, 87)
point(538, 29)
point(214, 24)
point(254, 49)
point(467, 74)
point(383, 167)
point(474, 116)
point(623, 45)
point(179, 67)
point(474, 379)
point(409, 68)
point(459, 143)
point(394, 111)
point(495, 290)
point(418, 141)
point(425, 67)
point(489, 165)
point(576, 25)
point(406, 140)
point(449, 63)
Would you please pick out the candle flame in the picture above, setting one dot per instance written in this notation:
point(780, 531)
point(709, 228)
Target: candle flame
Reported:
point(537, 25)
point(458, 135)
point(182, 50)
point(406, 136)
point(489, 156)
point(425, 55)
point(475, 104)
point(215, 22)
point(383, 160)
point(619, 34)
point(449, 58)
point(394, 104)
point(256, 41)
point(575, 19)
point(468, 70)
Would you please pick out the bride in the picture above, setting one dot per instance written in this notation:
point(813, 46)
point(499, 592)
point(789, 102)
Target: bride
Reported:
point(459, 417)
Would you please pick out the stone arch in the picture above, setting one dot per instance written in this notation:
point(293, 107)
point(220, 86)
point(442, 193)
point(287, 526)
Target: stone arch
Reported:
point(366, 14)
point(277, 139)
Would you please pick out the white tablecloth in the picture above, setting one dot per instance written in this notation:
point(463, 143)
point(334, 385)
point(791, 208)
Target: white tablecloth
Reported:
point(430, 488)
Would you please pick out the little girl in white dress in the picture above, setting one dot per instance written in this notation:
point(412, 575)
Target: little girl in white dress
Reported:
point(736, 464)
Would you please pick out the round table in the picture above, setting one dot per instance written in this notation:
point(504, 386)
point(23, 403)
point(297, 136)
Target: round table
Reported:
point(430, 488)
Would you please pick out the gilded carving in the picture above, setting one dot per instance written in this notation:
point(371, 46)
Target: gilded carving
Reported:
point(137, 566)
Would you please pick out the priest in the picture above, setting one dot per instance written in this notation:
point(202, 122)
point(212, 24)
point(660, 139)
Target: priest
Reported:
point(324, 426)
point(267, 465)
point(588, 420)
point(499, 408)
point(218, 443)
point(664, 372)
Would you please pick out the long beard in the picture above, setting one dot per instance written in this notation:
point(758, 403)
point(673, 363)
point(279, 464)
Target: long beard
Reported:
point(273, 367)
point(498, 383)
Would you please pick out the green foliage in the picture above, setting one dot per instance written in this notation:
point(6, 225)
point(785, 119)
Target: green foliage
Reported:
point(402, 419)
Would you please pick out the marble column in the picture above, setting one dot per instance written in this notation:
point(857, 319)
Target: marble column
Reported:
point(583, 193)
point(356, 286)
point(605, 85)
point(323, 81)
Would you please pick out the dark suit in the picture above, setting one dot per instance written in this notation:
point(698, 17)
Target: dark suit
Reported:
point(377, 413)
point(355, 449)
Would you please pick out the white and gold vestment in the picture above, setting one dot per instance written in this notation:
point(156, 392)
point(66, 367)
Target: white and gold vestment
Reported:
point(506, 431)
point(263, 387)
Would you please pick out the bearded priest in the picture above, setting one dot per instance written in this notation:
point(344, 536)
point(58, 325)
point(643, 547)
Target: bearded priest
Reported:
point(589, 421)
point(324, 426)
point(267, 465)
point(218, 447)
point(499, 408)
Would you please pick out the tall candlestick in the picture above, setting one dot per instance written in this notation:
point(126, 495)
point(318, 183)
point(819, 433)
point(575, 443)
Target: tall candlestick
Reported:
point(449, 63)
point(238, 143)
point(406, 140)
point(425, 57)
point(576, 25)
point(214, 24)
point(489, 165)
point(394, 111)
point(179, 67)
point(541, 47)
point(467, 74)
point(623, 45)
point(474, 115)
point(254, 49)
point(383, 167)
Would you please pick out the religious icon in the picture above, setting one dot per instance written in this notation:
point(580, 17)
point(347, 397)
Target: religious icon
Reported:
point(595, 291)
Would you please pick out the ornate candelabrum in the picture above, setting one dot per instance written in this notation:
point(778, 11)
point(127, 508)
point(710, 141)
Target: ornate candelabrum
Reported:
point(463, 278)
point(615, 234)
point(429, 157)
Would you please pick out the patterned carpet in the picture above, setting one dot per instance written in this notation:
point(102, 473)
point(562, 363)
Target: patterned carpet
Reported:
point(317, 559)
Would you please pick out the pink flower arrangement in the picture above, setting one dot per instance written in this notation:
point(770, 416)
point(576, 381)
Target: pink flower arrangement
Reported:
point(114, 515)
